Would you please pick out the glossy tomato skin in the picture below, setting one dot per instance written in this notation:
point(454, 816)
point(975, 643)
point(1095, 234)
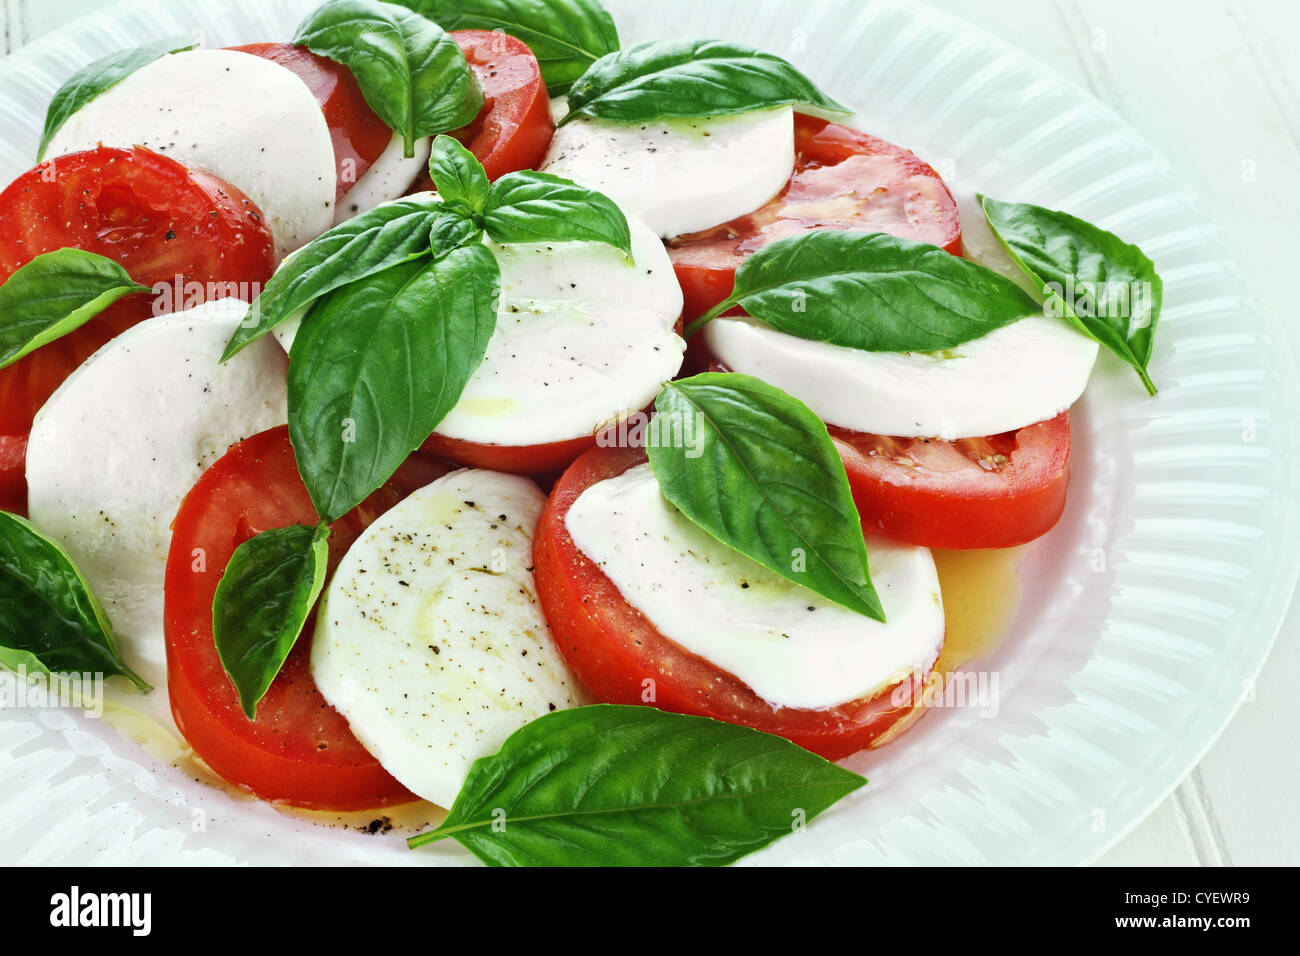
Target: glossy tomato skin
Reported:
point(995, 492)
point(546, 459)
point(621, 657)
point(166, 224)
point(514, 128)
point(842, 179)
point(358, 134)
point(300, 750)
point(13, 485)
point(515, 459)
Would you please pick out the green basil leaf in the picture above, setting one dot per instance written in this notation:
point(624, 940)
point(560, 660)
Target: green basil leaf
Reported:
point(690, 78)
point(763, 477)
point(411, 73)
point(1106, 287)
point(566, 36)
point(362, 246)
point(262, 602)
point(99, 76)
point(872, 291)
point(523, 206)
point(617, 785)
point(538, 207)
point(451, 230)
point(458, 175)
point(54, 294)
point(21, 661)
point(47, 610)
point(376, 365)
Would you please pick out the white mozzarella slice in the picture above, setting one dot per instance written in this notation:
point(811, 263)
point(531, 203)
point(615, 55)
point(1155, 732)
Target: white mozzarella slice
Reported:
point(792, 647)
point(388, 178)
point(241, 117)
point(559, 107)
point(287, 330)
point(121, 442)
point(431, 641)
point(979, 243)
point(1025, 372)
point(680, 175)
point(583, 338)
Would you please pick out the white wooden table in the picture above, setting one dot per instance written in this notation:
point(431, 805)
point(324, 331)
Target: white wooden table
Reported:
point(1216, 85)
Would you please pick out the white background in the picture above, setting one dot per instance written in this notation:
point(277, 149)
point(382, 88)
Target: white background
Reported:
point(1215, 84)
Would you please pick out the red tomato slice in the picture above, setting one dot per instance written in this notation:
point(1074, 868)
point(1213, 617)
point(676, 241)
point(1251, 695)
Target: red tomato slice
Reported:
point(994, 492)
point(13, 484)
point(614, 649)
point(516, 459)
point(514, 128)
point(359, 136)
point(842, 179)
point(165, 223)
point(545, 459)
point(300, 750)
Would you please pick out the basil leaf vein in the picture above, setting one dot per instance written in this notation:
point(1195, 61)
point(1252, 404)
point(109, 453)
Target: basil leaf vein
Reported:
point(99, 76)
point(566, 36)
point(872, 291)
point(452, 229)
point(48, 613)
point(262, 602)
point(363, 246)
point(458, 175)
point(1104, 286)
point(411, 73)
point(54, 294)
point(376, 365)
point(690, 78)
point(610, 785)
point(528, 206)
point(764, 478)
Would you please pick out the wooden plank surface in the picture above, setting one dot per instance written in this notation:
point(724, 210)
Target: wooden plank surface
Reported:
point(1216, 86)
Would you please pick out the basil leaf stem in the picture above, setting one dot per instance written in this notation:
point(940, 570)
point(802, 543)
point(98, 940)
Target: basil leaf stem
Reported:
point(618, 785)
point(1107, 288)
point(566, 36)
point(411, 72)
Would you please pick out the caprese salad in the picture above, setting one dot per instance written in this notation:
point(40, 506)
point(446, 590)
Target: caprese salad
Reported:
point(451, 403)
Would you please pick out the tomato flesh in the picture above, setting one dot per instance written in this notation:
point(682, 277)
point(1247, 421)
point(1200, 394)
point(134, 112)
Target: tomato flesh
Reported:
point(358, 134)
point(515, 459)
point(842, 179)
point(300, 750)
point(994, 492)
point(513, 129)
point(164, 223)
point(614, 649)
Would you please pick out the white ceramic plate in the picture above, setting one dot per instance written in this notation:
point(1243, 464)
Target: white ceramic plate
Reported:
point(1147, 611)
